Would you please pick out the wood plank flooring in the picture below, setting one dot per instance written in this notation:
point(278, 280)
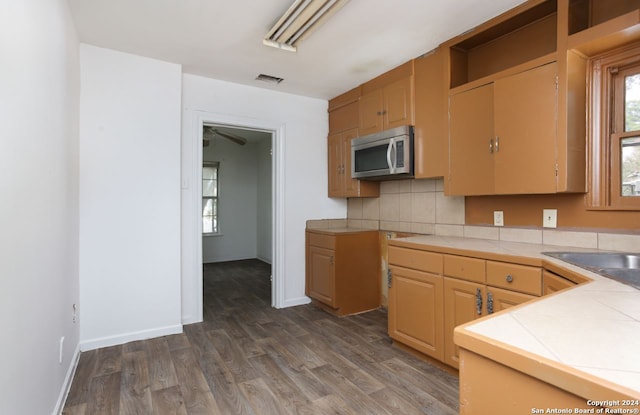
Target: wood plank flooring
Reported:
point(248, 358)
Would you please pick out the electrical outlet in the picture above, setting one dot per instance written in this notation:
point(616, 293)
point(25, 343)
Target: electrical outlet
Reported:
point(549, 218)
point(74, 314)
point(498, 218)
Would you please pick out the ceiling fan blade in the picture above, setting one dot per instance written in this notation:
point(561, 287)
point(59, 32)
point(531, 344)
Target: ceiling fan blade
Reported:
point(235, 138)
point(229, 136)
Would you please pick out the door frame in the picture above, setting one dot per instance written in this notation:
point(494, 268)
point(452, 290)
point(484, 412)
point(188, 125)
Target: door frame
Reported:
point(278, 132)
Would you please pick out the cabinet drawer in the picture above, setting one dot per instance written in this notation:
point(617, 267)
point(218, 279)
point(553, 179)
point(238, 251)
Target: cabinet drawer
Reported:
point(515, 277)
point(415, 259)
point(322, 241)
point(470, 269)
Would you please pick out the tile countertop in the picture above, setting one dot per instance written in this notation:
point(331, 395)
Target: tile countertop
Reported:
point(585, 339)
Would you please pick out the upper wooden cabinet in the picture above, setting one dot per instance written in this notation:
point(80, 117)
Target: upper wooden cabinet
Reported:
point(387, 101)
point(486, 71)
point(343, 127)
point(431, 130)
point(340, 182)
point(533, 90)
point(471, 168)
point(503, 136)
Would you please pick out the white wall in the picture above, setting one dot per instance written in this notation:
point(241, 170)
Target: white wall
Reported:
point(237, 201)
point(129, 197)
point(304, 124)
point(265, 228)
point(39, 84)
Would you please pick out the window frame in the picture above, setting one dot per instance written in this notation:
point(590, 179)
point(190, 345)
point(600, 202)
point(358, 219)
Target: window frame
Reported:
point(605, 112)
point(217, 232)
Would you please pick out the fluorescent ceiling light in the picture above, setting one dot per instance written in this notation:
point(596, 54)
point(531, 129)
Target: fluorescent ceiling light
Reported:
point(302, 18)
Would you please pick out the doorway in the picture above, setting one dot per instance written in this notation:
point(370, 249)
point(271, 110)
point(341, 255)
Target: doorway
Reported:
point(192, 254)
point(236, 194)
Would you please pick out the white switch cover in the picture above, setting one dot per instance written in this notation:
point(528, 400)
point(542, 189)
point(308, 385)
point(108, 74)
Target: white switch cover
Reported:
point(498, 218)
point(549, 218)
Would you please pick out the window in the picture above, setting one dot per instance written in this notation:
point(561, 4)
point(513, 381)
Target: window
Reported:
point(210, 185)
point(615, 136)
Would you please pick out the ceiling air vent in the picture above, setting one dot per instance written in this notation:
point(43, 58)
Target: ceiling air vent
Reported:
point(269, 78)
point(302, 18)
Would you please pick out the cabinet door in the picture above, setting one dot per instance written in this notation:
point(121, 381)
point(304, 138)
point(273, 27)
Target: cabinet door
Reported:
point(335, 164)
point(430, 133)
point(351, 188)
point(371, 106)
point(552, 283)
point(471, 132)
point(460, 306)
point(525, 108)
point(502, 299)
point(415, 310)
point(398, 104)
point(322, 275)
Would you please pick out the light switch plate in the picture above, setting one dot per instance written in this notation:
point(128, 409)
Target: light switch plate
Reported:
point(549, 218)
point(498, 218)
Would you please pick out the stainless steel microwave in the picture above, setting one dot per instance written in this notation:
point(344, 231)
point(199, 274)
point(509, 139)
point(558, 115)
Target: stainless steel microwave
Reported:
point(383, 156)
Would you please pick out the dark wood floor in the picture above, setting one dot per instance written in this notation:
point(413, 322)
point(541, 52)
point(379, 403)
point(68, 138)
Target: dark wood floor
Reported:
point(248, 358)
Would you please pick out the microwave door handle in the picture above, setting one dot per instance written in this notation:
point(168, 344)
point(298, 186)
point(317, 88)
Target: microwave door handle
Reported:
point(391, 155)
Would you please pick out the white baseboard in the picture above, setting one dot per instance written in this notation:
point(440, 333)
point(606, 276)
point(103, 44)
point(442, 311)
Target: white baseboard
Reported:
point(292, 302)
point(190, 319)
point(128, 337)
point(68, 379)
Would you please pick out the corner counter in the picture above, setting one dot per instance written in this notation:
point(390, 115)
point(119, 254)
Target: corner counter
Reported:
point(583, 341)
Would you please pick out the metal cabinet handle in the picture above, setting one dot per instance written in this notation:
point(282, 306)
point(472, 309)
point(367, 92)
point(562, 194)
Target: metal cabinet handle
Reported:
point(489, 303)
point(491, 146)
point(497, 144)
point(509, 278)
point(478, 301)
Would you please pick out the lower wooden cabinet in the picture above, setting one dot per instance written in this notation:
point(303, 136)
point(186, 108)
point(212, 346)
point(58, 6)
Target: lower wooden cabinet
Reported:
point(503, 299)
point(462, 303)
point(552, 283)
point(488, 387)
point(322, 275)
point(415, 310)
point(343, 269)
point(433, 293)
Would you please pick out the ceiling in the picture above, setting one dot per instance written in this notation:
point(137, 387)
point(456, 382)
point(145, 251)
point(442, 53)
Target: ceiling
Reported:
point(222, 39)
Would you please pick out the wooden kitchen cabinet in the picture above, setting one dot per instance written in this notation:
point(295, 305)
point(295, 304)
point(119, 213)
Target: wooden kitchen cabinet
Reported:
point(463, 302)
point(503, 299)
point(416, 320)
point(431, 114)
point(552, 283)
point(432, 293)
point(508, 391)
point(470, 146)
point(503, 135)
point(387, 101)
point(340, 182)
point(525, 131)
point(416, 300)
point(342, 266)
point(343, 127)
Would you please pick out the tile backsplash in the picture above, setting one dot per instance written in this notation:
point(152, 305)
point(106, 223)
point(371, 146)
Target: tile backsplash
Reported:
point(417, 206)
point(420, 206)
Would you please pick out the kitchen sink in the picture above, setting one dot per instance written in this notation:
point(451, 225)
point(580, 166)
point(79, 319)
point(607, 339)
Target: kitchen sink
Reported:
point(620, 266)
